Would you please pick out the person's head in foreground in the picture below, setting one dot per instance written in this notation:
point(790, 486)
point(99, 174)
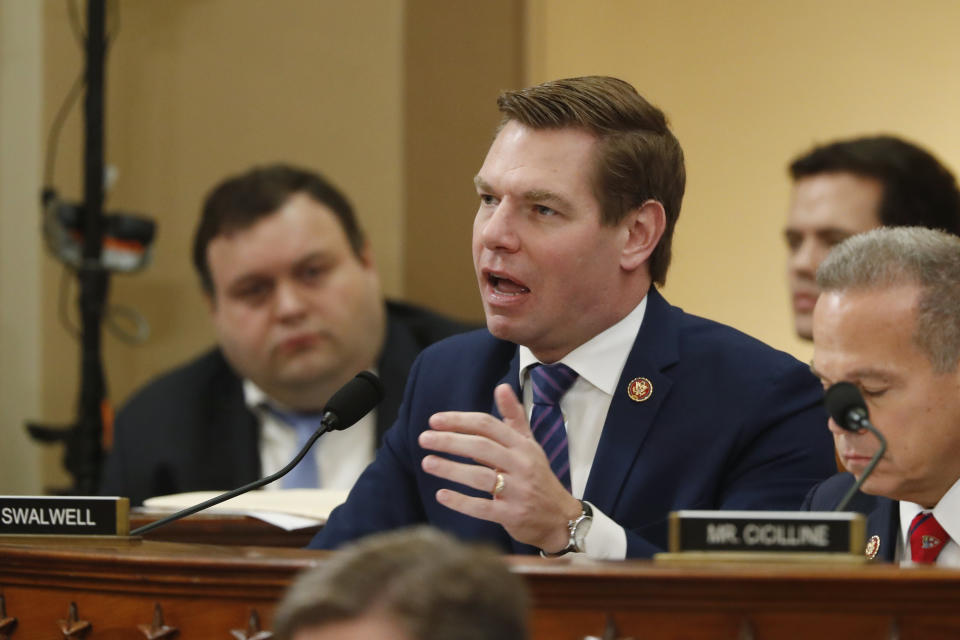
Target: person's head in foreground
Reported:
point(888, 321)
point(412, 584)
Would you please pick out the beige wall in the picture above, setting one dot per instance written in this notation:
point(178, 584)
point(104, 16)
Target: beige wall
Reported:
point(21, 97)
point(747, 85)
point(459, 56)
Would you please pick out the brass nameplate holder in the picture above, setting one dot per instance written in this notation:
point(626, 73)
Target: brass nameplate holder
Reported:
point(768, 536)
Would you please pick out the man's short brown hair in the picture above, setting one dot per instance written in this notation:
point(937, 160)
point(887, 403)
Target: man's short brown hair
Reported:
point(638, 158)
point(433, 586)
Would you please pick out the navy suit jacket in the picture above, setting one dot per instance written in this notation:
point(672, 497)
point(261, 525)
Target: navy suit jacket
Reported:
point(730, 424)
point(883, 514)
point(191, 430)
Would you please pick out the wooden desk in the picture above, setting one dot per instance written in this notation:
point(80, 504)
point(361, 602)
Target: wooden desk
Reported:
point(214, 528)
point(207, 591)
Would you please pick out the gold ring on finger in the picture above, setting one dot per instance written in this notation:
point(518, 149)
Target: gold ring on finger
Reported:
point(498, 485)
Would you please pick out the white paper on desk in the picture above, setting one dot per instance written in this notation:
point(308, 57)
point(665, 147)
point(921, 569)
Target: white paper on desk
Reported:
point(288, 509)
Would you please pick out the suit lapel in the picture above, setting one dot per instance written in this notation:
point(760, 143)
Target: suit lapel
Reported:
point(512, 377)
point(399, 351)
point(234, 430)
point(884, 522)
point(628, 421)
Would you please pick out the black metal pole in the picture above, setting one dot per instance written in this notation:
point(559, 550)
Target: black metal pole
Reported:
point(85, 452)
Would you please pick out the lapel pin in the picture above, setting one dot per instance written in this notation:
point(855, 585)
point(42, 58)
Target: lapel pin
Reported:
point(873, 546)
point(640, 389)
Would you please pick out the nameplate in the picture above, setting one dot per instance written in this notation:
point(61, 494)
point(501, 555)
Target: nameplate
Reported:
point(767, 532)
point(59, 515)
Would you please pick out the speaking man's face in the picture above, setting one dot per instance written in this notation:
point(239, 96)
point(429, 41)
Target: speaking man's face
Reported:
point(547, 267)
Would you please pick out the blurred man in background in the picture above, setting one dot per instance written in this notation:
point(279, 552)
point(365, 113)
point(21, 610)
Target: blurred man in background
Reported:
point(296, 303)
point(850, 186)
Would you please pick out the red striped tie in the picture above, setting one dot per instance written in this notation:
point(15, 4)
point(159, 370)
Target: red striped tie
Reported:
point(927, 538)
point(550, 382)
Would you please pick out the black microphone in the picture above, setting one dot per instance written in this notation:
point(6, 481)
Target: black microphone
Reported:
point(345, 407)
point(847, 408)
point(351, 402)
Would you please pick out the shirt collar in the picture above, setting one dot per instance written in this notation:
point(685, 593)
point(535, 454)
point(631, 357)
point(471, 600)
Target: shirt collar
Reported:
point(601, 359)
point(253, 396)
point(946, 511)
point(257, 399)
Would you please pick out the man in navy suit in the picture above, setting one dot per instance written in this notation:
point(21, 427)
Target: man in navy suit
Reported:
point(658, 410)
point(888, 321)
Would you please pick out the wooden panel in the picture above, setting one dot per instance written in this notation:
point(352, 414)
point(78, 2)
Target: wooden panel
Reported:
point(206, 591)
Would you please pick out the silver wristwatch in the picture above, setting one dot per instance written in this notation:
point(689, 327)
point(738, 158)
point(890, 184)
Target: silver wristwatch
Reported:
point(578, 528)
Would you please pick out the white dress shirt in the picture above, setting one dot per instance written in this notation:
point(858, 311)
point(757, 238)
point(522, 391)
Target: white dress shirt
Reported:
point(341, 455)
point(599, 364)
point(947, 513)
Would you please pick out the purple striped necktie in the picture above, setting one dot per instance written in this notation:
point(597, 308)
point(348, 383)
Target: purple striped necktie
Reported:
point(550, 382)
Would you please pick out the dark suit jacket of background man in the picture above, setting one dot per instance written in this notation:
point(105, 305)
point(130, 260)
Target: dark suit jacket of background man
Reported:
point(190, 430)
point(731, 424)
point(883, 514)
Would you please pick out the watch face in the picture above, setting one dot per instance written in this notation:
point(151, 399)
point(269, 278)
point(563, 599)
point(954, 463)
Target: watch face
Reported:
point(580, 533)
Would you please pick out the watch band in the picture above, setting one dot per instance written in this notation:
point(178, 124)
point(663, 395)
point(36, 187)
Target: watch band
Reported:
point(586, 516)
